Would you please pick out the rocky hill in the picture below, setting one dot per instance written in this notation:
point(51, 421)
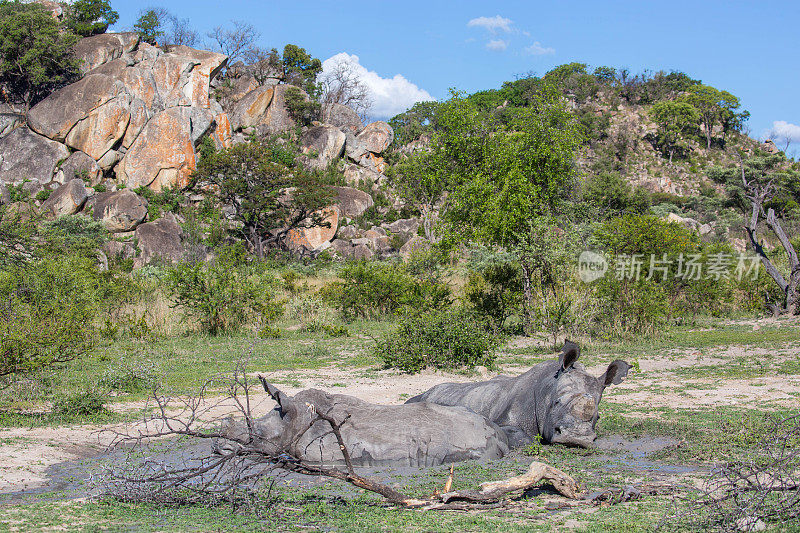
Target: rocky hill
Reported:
point(138, 117)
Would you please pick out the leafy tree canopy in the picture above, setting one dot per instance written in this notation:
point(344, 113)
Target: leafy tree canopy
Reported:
point(267, 188)
point(89, 17)
point(149, 26)
point(35, 52)
point(415, 122)
point(300, 68)
point(674, 119)
point(506, 168)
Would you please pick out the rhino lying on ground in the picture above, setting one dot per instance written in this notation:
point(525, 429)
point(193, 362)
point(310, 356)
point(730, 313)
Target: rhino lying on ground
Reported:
point(555, 399)
point(420, 434)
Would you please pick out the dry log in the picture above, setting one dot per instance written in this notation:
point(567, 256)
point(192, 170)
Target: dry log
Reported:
point(495, 490)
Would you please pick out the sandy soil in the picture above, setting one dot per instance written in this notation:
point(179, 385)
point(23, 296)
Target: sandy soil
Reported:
point(28, 452)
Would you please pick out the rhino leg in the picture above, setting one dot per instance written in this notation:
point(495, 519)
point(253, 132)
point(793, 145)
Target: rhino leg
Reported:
point(516, 437)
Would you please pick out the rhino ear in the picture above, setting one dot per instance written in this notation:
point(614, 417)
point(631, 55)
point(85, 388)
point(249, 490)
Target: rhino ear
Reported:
point(569, 354)
point(615, 373)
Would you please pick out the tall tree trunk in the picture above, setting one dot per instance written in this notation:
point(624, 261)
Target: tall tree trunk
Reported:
point(792, 290)
point(528, 302)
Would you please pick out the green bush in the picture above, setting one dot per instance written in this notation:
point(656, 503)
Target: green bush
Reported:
point(224, 294)
point(450, 338)
point(47, 312)
point(82, 404)
point(167, 200)
point(130, 376)
point(494, 291)
point(301, 109)
point(374, 289)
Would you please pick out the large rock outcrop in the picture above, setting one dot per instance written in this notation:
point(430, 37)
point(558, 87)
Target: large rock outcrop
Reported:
point(163, 155)
point(119, 211)
point(79, 165)
point(100, 49)
point(91, 114)
point(67, 199)
point(139, 109)
point(326, 142)
point(250, 110)
point(342, 117)
point(25, 155)
point(162, 239)
point(352, 202)
point(316, 237)
point(278, 119)
point(376, 137)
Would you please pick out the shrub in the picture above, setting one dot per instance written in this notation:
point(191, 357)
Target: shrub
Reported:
point(494, 291)
point(130, 376)
point(373, 289)
point(47, 312)
point(300, 108)
point(450, 338)
point(311, 311)
point(82, 404)
point(225, 293)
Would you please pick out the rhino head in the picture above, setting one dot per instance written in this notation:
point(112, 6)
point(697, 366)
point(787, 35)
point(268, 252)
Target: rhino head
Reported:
point(571, 397)
point(276, 432)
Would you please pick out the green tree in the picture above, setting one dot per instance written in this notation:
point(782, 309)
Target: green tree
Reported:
point(269, 191)
point(674, 119)
point(300, 69)
point(613, 195)
point(412, 124)
point(715, 107)
point(505, 170)
point(423, 180)
point(35, 53)
point(505, 174)
point(646, 294)
point(150, 25)
point(730, 119)
point(89, 17)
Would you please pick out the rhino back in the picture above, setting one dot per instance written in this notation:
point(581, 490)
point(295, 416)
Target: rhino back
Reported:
point(417, 435)
point(507, 401)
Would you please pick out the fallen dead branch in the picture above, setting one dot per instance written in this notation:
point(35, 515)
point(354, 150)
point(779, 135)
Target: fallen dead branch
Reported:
point(749, 494)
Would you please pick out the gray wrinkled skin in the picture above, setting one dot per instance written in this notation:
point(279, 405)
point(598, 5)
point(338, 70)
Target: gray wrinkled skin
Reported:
point(555, 399)
point(419, 434)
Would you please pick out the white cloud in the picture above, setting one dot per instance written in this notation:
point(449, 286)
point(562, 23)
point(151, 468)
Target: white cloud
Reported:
point(497, 45)
point(493, 24)
point(784, 131)
point(536, 49)
point(389, 96)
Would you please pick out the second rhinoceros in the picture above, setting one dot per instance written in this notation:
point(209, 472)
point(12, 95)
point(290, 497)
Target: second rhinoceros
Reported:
point(555, 400)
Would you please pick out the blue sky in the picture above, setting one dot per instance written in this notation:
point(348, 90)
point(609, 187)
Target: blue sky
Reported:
point(749, 48)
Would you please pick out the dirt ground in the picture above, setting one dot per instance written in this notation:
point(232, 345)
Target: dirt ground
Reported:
point(661, 381)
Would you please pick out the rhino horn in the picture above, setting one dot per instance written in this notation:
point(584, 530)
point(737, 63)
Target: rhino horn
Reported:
point(285, 402)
